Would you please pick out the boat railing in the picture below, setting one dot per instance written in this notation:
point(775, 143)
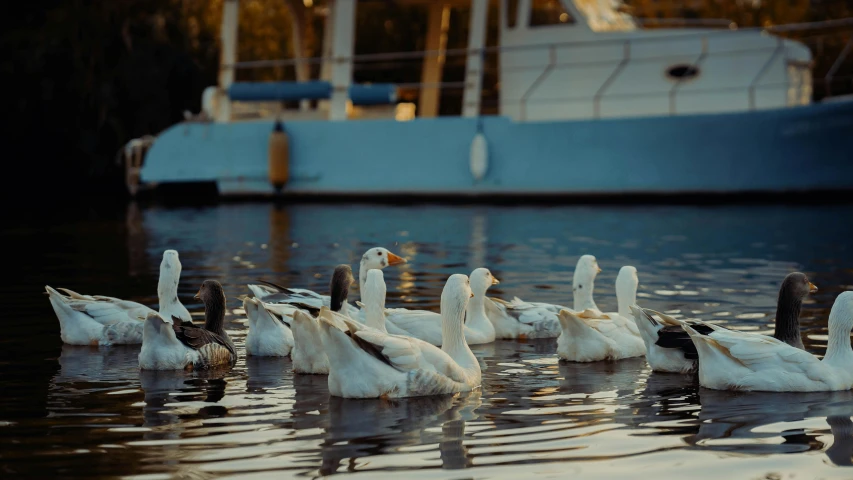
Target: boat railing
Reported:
point(450, 52)
point(829, 81)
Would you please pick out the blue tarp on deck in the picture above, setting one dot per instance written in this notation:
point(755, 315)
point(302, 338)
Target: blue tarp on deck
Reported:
point(360, 94)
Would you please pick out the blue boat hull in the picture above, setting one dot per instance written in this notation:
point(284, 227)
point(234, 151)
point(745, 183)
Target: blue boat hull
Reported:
point(799, 148)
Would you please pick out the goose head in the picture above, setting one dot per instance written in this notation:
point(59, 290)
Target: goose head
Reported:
point(793, 290)
point(456, 294)
point(583, 282)
point(585, 272)
point(213, 297)
point(210, 291)
point(339, 287)
point(170, 273)
point(380, 258)
point(796, 285)
point(481, 279)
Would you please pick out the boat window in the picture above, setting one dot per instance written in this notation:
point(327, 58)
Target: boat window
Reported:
point(511, 13)
point(549, 12)
point(605, 15)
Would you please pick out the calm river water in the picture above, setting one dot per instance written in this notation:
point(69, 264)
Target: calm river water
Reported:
point(86, 411)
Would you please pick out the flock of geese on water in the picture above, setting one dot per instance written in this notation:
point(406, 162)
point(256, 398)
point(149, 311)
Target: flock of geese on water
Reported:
point(370, 351)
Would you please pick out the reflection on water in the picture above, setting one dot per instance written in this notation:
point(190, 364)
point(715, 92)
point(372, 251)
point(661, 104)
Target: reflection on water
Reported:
point(753, 417)
point(77, 411)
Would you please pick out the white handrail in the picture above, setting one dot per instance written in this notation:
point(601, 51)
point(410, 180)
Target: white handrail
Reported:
point(374, 57)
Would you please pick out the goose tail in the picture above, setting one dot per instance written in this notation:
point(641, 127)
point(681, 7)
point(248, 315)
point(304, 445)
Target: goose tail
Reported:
point(646, 324)
point(157, 329)
point(250, 305)
point(76, 328)
point(260, 291)
point(573, 325)
point(339, 345)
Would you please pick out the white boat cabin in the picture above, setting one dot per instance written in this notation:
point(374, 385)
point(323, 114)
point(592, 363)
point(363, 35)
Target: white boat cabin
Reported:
point(564, 59)
point(579, 59)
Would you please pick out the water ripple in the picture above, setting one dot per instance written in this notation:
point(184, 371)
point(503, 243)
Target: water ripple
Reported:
point(88, 411)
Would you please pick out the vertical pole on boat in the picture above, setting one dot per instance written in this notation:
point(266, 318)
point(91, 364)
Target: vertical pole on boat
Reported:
point(227, 57)
point(328, 38)
point(474, 63)
point(342, 51)
point(297, 34)
point(438, 22)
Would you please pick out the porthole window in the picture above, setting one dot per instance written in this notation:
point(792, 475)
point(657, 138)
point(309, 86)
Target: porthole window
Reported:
point(682, 72)
point(549, 12)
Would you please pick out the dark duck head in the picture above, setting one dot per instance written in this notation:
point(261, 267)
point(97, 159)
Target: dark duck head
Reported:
point(213, 297)
point(342, 278)
point(794, 289)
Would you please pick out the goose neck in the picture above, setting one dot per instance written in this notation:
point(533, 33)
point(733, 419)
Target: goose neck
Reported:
point(453, 337)
point(838, 351)
point(374, 317)
point(582, 292)
point(214, 316)
point(475, 317)
point(787, 327)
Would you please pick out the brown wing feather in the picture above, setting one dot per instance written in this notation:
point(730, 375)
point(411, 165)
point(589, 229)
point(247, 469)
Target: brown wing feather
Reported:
point(182, 323)
point(197, 337)
point(305, 307)
point(371, 349)
point(277, 286)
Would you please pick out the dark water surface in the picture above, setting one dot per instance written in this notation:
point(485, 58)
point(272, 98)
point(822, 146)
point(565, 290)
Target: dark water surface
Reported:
point(87, 411)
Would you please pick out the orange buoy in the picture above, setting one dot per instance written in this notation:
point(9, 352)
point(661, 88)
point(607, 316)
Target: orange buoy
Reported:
point(279, 156)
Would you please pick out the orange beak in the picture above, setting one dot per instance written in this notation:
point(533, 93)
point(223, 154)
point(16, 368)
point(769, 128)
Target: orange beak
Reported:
point(472, 294)
point(598, 269)
point(812, 287)
point(495, 281)
point(197, 295)
point(395, 259)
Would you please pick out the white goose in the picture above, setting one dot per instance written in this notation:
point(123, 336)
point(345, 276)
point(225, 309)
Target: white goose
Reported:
point(588, 335)
point(100, 320)
point(269, 335)
point(520, 319)
point(167, 345)
point(376, 257)
point(427, 326)
point(368, 363)
point(730, 360)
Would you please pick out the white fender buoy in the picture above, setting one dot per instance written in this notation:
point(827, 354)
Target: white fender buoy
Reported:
point(479, 156)
point(209, 102)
